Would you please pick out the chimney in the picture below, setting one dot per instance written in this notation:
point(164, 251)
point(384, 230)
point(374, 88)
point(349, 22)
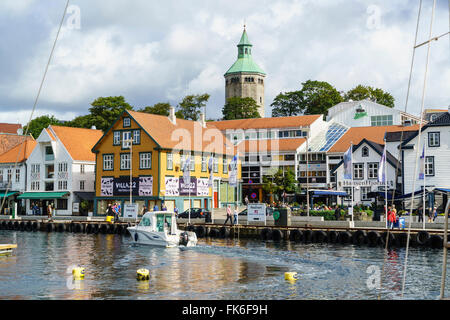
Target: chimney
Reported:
point(202, 120)
point(94, 128)
point(172, 117)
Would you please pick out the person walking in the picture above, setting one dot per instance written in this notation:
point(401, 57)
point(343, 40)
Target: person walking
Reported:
point(110, 210)
point(391, 217)
point(435, 214)
point(337, 212)
point(228, 215)
point(49, 211)
point(430, 214)
point(176, 211)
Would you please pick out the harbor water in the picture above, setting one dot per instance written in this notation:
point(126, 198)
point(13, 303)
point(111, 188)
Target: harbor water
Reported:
point(217, 269)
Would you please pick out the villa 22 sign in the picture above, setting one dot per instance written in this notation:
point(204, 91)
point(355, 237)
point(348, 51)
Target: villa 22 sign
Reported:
point(140, 186)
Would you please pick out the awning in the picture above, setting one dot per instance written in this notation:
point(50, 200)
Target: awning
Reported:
point(442, 190)
point(88, 196)
point(329, 193)
point(42, 195)
point(8, 194)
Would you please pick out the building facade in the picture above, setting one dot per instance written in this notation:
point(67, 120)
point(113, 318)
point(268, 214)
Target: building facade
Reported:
point(155, 160)
point(245, 78)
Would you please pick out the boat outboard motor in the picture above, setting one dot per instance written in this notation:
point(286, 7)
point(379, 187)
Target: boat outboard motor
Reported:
point(184, 238)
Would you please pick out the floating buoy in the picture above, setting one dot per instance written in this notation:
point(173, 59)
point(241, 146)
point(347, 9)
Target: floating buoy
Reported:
point(142, 274)
point(290, 276)
point(78, 273)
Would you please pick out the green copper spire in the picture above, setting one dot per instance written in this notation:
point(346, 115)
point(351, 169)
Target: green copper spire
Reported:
point(244, 62)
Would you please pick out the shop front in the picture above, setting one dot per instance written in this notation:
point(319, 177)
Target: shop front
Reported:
point(38, 202)
point(8, 202)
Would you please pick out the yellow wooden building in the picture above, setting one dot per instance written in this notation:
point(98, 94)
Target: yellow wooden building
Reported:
point(160, 146)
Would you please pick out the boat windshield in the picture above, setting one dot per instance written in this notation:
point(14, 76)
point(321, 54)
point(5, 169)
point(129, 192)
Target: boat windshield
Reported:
point(145, 222)
point(163, 222)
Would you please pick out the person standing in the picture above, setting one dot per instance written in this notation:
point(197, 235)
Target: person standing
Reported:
point(49, 211)
point(155, 207)
point(235, 215)
point(337, 212)
point(434, 213)
point(430, 214)
point(110, 210)
point(391, 217)
point(420, 214)
point(176, 211)
point(246, 200)
point(228, 215)
point(163, 207)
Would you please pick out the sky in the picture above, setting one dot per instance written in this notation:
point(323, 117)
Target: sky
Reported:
point(161, 51)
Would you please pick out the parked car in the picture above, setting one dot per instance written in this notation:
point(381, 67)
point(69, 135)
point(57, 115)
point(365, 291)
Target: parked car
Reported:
point(195, 213)
point(269, 212)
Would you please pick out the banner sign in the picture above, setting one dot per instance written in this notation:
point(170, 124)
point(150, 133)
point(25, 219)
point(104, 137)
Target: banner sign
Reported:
point(130, 210)
point(256, 212)
point(188, 188)
point(172, 186)
point(141, 186)
point(202, 187)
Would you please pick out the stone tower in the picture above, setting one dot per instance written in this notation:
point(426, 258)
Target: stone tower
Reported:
point(245, 78)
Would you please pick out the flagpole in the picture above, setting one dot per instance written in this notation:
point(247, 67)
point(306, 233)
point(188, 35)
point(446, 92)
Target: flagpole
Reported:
point(351, 161)
point(385, 185)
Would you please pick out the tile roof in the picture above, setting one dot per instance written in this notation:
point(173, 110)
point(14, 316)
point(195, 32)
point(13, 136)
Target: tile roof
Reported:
point(8, 141)
point(77, 141)
point(270, 145)
point(9, 127)
point(174, 136)
point(265, 123)
point(19, 153)
point(376, 134)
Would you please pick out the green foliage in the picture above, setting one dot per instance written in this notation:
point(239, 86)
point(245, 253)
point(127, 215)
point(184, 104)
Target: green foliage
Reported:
point(191, 106)
point(361, 92)
point(240, 108)
point(318, 97)
point(287, 104)
point(280, 182)
point(161, 108)
point(105, 110)
point(85, 121)
point(37, 124)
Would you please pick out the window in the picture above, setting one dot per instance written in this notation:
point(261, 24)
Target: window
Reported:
point(81, 184)
point(62, 185)
point(62, 167)
point(204, 164)
point(289, 157)
point(126, 136)
point(365, 152)
point(35, 185)
point(8, 179)
point(1, 175)
point(145, 160)
point(126, 122)
point(49, 156)
point(116, 141)
point(169, 161)
point(364, 193)
point(224, 164)
point(385, 120)
point(17, 175)
point(215, 164)
point(125, 161)
point(61, 204)
point(348, 190)
point(108, 162)
point(182, 160)
point(434, 139)
point(49, 186)
point(82, 168)
point(192, 162)
point(429, 166)
point(372, 170)
point(358, 171)
point(136, 136)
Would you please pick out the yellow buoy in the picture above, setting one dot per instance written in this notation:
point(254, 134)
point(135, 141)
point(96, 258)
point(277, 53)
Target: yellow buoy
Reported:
point(143, 274)
point(78, 273)
point(291, 276)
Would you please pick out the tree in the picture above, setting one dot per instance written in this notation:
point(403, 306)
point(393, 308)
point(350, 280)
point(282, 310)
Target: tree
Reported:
point(318, 97)
point(105, 110)
point(280, 182)
point(191, 106)
point(240, 108)
point(161, 108)
point(37, 124)
point(85, 121)
point(361, 92)
point(287, 104)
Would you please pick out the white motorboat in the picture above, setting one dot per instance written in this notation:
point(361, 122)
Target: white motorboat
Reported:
point(159, 228)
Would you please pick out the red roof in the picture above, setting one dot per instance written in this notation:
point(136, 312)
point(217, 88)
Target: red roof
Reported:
point(9, 127)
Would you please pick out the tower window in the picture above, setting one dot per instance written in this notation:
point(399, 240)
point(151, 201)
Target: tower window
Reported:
point(260, 99)
point(245, 50)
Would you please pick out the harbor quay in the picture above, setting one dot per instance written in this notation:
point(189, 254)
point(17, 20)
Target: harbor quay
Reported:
point(300, 229)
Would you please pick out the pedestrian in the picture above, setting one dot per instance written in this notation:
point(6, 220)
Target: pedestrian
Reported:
point(144, 210)
point(435, 214)
point(391, 217)
point(163, 207)
point(117, 213)
point(246, 200)
point(228, 215)
point(337, 212)
point(235, 215)
point(110, 210)
point(420, 214)
point(155, 207)
point(176, 211)
point(49, 211)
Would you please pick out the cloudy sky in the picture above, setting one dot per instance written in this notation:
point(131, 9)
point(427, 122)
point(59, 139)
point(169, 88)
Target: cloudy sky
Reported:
point(161, 51)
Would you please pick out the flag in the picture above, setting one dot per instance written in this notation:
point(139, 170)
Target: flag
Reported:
point(210, 170)
point(348, 163)
point(422, 164)
point(233, 171)
point(187, 170)
point(381, 167)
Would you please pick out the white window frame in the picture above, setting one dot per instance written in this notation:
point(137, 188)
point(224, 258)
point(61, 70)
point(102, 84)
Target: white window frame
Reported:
point(126, 135)
point(107, 162)
point(372, 171)
point(145, 160)
point(125, 163)
point(169, 163)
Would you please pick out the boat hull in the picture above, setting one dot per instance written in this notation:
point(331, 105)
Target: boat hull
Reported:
point(160, 239)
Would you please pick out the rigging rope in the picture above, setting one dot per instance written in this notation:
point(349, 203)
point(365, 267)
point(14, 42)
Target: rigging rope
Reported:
point(22, 145)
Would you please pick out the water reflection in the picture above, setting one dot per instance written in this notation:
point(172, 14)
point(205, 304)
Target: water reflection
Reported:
point(215, 269)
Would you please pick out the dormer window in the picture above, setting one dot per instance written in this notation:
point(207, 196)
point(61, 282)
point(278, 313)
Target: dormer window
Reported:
point(365, 152)
point(126, 122)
